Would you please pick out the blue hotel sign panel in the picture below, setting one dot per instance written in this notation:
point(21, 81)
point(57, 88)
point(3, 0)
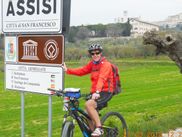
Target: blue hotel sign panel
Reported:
point(29, 16)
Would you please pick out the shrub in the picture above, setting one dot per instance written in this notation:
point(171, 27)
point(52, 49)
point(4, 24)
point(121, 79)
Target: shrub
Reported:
point(113, 48)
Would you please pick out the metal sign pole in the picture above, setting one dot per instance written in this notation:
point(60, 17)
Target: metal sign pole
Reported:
point(22, 114)
point(50, 117)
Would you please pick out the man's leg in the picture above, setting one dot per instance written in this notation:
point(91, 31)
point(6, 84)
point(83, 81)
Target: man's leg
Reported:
point(90, 106)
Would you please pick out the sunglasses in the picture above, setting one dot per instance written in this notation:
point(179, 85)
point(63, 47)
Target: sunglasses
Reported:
point(95, 53)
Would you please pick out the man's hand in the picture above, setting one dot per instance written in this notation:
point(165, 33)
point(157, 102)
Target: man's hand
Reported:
point(95, 96)
point(64, 67)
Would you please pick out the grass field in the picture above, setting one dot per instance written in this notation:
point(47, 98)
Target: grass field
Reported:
point(151, 101)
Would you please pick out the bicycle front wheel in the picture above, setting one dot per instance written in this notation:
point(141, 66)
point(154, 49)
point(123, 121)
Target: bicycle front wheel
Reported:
point(114, 125)
point(68, 129)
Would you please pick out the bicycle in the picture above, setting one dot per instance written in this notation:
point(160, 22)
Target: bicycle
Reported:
point(113, 123)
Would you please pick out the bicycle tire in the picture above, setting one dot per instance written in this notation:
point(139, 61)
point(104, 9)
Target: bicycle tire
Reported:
point(68, 129)
point(110, 121)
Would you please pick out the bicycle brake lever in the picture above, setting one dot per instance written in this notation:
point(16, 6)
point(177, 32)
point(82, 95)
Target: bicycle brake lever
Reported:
point(59, 93)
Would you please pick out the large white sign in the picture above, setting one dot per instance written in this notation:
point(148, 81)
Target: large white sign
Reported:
point(33, 78)
point(26, 16)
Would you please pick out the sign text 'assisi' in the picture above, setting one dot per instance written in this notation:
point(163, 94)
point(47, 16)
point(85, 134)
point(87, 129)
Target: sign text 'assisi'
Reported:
point(31, 7)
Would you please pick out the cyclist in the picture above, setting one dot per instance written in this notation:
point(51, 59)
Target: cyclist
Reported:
point(102, 84)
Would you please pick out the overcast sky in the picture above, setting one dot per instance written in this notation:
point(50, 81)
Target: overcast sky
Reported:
point(105, 11)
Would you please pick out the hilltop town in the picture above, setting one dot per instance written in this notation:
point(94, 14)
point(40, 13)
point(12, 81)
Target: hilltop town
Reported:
point(139, 26)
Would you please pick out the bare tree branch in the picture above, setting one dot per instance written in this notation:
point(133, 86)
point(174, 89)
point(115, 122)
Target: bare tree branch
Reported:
point(169, 45)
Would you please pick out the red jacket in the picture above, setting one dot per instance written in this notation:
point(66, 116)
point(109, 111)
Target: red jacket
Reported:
point(101, 75)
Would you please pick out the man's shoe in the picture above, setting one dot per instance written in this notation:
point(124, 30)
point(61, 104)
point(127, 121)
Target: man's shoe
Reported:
point(97, 132)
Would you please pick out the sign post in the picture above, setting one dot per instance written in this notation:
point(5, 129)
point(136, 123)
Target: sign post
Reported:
point(1, 18)
point(50, 117)
point(22, 114)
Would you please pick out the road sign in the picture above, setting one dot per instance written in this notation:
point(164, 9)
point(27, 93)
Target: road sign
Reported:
point(33, 78)
point(41, 49)
point(10, 48)
point(33, 62)
point(32, 16)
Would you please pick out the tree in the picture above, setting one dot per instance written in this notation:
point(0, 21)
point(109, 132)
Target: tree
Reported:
point(169, 45)
point(99, 29)
point(82, 33)
point(72, 33)
point(113, 30)
point(127, 29)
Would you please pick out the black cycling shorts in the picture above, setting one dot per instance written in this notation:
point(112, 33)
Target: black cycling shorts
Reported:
point(104, 98)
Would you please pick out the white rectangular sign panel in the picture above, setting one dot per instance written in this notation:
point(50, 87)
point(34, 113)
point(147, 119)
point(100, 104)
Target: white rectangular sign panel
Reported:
point(10, 43)
point(33, 78)
point(26, 16)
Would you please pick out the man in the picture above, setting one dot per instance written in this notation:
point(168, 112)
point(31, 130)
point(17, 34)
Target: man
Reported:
point(102, 84)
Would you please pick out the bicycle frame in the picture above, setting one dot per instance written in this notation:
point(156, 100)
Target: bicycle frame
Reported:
point(79, 115)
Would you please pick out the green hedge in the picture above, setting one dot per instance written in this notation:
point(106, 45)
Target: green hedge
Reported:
point(114, 48)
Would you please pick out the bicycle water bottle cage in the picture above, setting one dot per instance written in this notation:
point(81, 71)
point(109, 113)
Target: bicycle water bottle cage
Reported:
point(72, 92)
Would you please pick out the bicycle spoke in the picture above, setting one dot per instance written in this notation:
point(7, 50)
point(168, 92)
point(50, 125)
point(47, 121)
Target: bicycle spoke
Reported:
point(114, 125)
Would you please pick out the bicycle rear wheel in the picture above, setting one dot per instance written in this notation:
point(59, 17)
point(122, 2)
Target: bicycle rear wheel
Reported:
point(114, 125)
point(68, 129)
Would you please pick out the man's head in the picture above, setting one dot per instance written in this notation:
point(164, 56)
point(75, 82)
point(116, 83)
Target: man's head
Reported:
point(93, 47)
point(95, 50)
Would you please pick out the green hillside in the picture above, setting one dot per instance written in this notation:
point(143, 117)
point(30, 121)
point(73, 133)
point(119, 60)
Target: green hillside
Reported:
point(151, 101)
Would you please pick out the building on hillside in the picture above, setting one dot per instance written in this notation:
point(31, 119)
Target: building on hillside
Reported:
point(171, 21)
point(123, 19)
point(140, 27)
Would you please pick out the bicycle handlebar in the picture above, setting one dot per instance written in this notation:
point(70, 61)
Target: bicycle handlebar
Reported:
point(62, 93)
point(56, 92)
